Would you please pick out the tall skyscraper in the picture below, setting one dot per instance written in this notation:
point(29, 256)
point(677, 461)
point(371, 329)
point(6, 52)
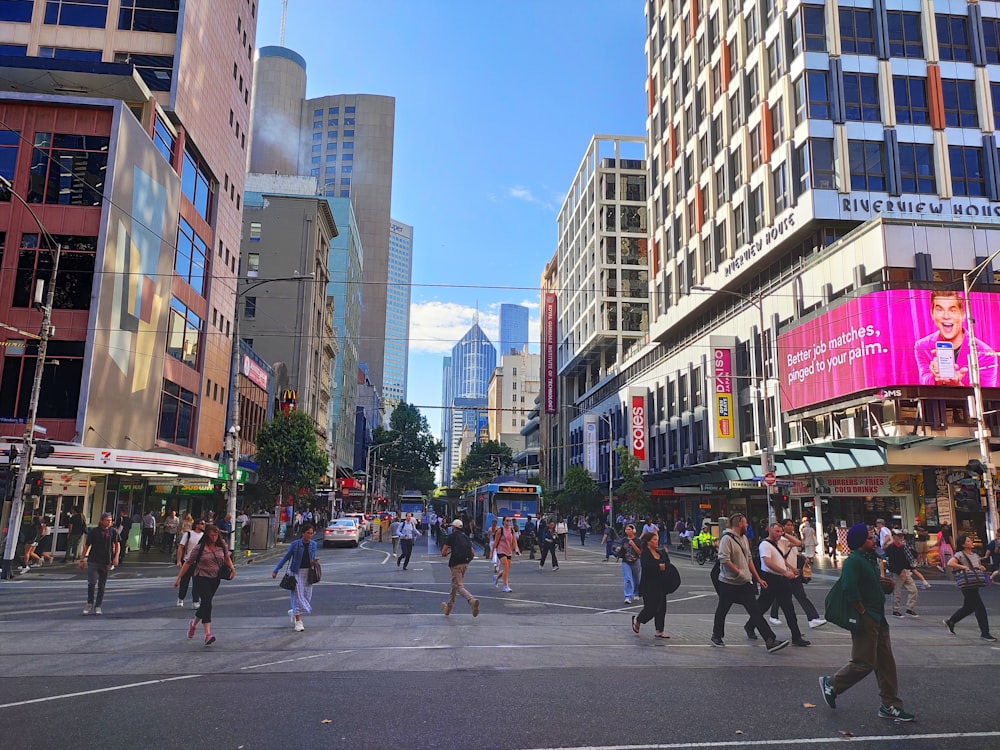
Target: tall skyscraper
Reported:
point(397, 314)
point(472, 361)
point(513, 328)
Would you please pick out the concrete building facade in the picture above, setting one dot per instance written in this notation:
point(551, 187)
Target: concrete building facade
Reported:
point(511, 395)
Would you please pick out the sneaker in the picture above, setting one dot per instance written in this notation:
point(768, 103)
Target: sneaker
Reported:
point(291, 616)
point(299, 626)
point(88, 609)
point(801, 642)
point(506, 589)
point(893, 712)
point(817, 622)
point(717, 642)
point(209, 639)
point(988, 638)
point(556, 567)
point(950, 625)
point(192, 626)
point(475, 608)
point(775, 645)
point(445, 608)
point(911, 613)
point(774, 620)
point(628, 599)
point(829, 694)
point(751, 635)
point(180, 603)
point(98, 611)
point(897, 613)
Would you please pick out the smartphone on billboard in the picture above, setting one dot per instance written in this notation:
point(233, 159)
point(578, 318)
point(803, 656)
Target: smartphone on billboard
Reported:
point(945, 360)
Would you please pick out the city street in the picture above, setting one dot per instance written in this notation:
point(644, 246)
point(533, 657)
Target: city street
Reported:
point(553, 664)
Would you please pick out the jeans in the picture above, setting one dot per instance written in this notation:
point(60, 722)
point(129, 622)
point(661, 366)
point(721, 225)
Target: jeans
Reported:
point(204, 591)
point(146, 543)
point(407, 549)
point(73, 547)
point(779, 591)
point(97, 574)
point(631, 574)
point(871, 650)
point(742, 594)
point(972, 602)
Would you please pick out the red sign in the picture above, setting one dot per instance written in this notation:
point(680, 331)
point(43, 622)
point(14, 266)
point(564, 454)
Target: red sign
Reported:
point(254, 372)
point(638, 427)
point(770, 479)
point(549, 355)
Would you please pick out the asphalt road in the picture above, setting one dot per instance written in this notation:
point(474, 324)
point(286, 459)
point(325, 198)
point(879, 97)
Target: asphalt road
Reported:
point(552, 665)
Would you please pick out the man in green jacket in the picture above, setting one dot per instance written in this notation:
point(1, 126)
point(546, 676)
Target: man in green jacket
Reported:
point(871, 648)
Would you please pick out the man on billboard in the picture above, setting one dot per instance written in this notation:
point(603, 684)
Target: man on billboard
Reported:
point(942, 357)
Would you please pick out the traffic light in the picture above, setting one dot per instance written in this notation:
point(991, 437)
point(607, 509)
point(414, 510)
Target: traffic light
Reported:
point(35, 485)
point(43, 449)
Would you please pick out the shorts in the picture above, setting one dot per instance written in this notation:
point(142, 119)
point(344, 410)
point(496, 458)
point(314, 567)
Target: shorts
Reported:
point(501, 554)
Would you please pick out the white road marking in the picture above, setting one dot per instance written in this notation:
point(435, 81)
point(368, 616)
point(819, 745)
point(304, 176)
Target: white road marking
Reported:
point(286, 661)
point(909, 738)
point(99, 690)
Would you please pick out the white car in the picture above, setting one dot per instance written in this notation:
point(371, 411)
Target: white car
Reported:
point(343, 531)
point(363, 522)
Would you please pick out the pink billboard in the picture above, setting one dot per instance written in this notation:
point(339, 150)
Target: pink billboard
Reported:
point(889, 339)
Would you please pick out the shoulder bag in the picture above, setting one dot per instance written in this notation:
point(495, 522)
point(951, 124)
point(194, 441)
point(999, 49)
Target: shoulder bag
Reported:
point(315, 572)
point(671, 576)
point(974, 578)
point(839, 612)
point(225, 573)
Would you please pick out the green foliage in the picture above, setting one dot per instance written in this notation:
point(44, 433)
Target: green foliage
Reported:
point(580, 491)
point(410, 450)
point(289, 459)
point(632, 496)
point(484, 462)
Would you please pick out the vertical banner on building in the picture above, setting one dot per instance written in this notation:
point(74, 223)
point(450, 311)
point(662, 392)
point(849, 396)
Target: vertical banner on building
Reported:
point(723, 434)
point(549, 355)
point(638, 425)
point(590, 444)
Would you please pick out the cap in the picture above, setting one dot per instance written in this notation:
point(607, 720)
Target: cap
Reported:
point(107, 515)
point(879, 520)
point(457, 523)
point(897, 532)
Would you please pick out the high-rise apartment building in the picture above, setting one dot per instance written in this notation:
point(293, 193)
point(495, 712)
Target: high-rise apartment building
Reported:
point(513, 329)
point(397, 314)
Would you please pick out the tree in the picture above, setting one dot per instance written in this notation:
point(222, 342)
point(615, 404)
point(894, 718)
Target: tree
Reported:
point(632, 495)
point(580, 491)
point(410, 451)
point(485, 461)
point(288, 456)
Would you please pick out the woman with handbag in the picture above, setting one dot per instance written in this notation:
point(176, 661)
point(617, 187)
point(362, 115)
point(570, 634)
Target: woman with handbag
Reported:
point(505, 547)
point(653, 584)
point(211, 564)
point(304, 568)
point(970, 575)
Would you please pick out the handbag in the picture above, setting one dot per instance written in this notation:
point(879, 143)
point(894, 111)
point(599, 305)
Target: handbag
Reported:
point(288, 582)
point(315, 573)
point(839, 612)
point(966, 579)
point(807, 571)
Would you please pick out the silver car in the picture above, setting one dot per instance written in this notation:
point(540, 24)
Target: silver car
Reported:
point(342, 531)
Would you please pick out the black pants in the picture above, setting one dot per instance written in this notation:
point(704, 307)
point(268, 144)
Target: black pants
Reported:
point(407, 549)
point(744, 595)
point(204, 591)
point(182, 587)
point(778, 591)
point(546, 549)
point(654, 607)
point(799, 592)
point(972, 603)
point(169, 542)
point(146, 543)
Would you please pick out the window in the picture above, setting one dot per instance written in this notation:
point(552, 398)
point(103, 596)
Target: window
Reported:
point(779, 184)
point(953, 37)
point(755, 151)
point(348, 134)
point(317, 137)
point(814, 28)
point(197, 185)
point(190, 260)
point(991, 33)
point(777, 124)
point(12, 50)
point(757, 215)
point(18, 11)
point(995, 96)
point(255, 231)
point(92, 14)
point(740, 225)
point(753, 29)
point(253, 263)
point(178, 408)
point(960, 103)
point(159, 16)
point(348, 110)
point(68, 169)
point(249, 308)
point(966, 164)
point(916, 168)
point(163, 139)
point(331, 134)
point(861, 97)
point(818, 94)
point(753, 90)
point(10, 140)
point(59, 397)
point(349, 121)
point(329, 158)
point(856, 31)
point(76, 270)
point(905, 39)
point(69, 53)
point(183, 333)
point(867, 163)
point(823, 167)
point(910, 96)
point(156, 71)
point(775, 67)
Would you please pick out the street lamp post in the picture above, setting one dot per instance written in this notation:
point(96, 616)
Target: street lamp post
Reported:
point(28, 451)
point(767, 459)
point(233, 433)
point(983, 432)
point(368, 471)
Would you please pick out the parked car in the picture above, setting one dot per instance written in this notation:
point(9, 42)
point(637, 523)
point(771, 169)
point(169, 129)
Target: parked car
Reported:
point(343, 531)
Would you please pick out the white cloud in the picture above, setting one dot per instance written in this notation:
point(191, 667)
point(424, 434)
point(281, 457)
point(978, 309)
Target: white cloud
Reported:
point(521, 193)
point(436, 326)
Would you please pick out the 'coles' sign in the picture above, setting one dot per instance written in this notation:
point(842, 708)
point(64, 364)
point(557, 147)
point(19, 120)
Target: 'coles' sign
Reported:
point(637, 424)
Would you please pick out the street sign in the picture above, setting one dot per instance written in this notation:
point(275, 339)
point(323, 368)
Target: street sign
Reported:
point(784, 483)
point(770, 479)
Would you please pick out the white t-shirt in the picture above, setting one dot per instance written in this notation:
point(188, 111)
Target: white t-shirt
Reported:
point(771, 560)
point(190, 540)
point(884, 537)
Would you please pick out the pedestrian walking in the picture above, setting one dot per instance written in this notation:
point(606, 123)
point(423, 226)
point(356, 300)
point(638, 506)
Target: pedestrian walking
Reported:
point(831, 542)
point(582, 526)
point(124, 527)
point(945, 549)
point(77, 531)
point(967, 561)
point(562, 534)
point(789, 544)
point(526, 541)
point(779, 573)
point(548, 542)
point(489, 548)
point(608, 540)
point(300, 556)
point(394, 536)
point(897, 561)
point(458, 550)
point(629, 554)
point(653, 585)
point(736, 573)
point(871, 646)
point(505, 547)
point(407, 533)
point(185, 547)
point(808, 536)
point(225, 526)
point(148, 531)
point(170, 526)
point(205, 567)
point(44, 543)
point(30, 533)
point(100, 555)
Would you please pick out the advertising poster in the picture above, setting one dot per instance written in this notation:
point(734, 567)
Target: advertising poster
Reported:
point(723, 437)
point(590, 444)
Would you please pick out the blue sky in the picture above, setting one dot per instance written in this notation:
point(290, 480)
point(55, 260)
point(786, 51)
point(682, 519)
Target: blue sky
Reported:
point(496, 102)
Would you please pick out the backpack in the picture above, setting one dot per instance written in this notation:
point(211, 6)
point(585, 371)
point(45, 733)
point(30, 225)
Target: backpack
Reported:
point(717, 568)
point(462, 547)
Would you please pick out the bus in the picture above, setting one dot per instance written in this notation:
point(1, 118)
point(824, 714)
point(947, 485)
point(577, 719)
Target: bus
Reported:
point(411, 501)
point(513, 499)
